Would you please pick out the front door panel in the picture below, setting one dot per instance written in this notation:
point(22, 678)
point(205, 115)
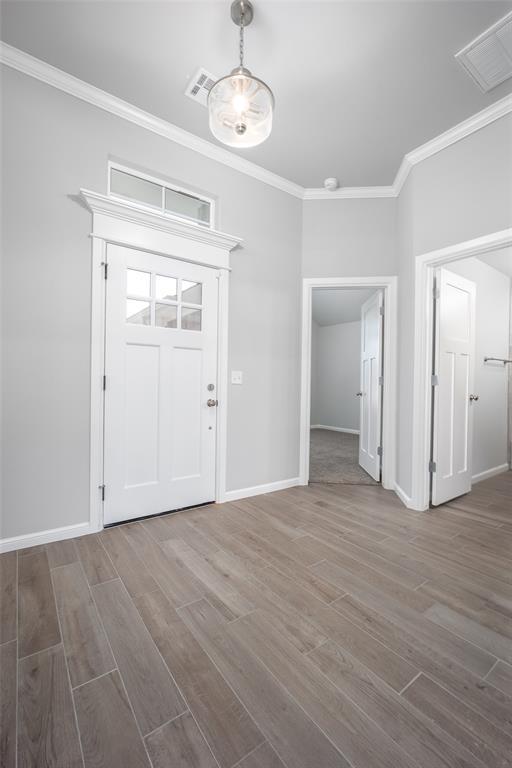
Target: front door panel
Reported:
point(161, 357)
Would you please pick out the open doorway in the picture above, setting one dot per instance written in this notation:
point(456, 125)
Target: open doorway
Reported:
point(348, 381)
point(346, 385)
point(471, 362)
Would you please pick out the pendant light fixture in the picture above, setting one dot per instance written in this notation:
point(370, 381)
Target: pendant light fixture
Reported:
point(241, 105)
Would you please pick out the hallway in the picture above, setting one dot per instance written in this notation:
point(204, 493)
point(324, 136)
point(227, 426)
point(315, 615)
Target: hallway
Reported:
point(334, 458)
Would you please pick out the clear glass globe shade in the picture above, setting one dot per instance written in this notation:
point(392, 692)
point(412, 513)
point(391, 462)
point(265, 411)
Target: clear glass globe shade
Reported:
point(241, 109)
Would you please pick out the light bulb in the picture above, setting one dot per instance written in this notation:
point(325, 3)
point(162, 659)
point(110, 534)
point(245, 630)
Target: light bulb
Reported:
point(240, 108)
point(240, 103)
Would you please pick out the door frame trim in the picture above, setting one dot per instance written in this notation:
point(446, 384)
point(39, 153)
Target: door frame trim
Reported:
point(389, 285)
point(423, 339)
point(118, 223)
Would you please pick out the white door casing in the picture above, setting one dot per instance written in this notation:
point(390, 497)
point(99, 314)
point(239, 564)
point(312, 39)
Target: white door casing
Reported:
point(120, 223)
point(370, 422)
point(453, 369)
point(160, 359)
point(388, 284)
point(425, 266)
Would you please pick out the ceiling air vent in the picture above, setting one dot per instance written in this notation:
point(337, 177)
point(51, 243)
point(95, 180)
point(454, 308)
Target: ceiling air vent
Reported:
point(199, 87)
point(488, 58)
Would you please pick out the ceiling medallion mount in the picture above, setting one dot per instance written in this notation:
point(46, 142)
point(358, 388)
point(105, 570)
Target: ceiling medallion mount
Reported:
point(240, 105)
point(242, 12)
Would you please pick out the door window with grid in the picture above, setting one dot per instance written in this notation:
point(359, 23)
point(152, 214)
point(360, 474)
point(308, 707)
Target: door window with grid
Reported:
point(163, 301)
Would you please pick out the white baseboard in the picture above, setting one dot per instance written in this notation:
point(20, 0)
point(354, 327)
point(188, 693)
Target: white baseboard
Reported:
point(335, 429)
point(489, 473)
point(404, 498)
point(256, 490)
point(45, 537)
point(410, 504)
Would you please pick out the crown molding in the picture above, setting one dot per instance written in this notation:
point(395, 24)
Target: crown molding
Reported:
point(57, 78)
point(451, 136)
point(29, 65)
point(348, 193)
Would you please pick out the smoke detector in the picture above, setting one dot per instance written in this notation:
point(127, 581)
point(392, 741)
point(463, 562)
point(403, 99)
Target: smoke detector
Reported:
point(488, 58)
point(200, 85)
point(331, 184)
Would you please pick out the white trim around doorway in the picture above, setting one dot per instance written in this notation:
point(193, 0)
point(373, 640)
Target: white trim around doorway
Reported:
point(389, 284)
point(423, 339)
point(115, 222)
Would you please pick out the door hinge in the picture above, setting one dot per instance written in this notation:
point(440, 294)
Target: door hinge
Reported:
point(381, 381)
point(436, 293)
point(104, 382)
point(105, 270)
point(102, 489)
point(434, 380)
point(432, 466)
point(379, 451)
point(381, 311)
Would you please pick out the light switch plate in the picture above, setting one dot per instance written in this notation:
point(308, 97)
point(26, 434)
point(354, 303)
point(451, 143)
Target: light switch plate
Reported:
point(236, 377)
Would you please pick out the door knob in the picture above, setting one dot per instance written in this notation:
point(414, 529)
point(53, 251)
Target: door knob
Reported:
point(359, 394)
point(211, 403)
point(474, 397)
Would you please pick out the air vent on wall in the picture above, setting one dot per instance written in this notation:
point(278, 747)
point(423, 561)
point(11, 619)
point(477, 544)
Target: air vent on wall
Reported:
point(488, 58)
point(199, 87)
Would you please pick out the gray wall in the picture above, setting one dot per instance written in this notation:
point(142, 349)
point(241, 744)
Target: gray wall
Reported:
point(53, 145)
point(491, 379)
point(461, 193)
point(405, 341)
point(347, 238)
point(335, 369)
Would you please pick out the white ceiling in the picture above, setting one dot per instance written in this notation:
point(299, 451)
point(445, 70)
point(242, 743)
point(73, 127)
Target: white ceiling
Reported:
point(357, 84)
point(332, 306)
point(500, 260)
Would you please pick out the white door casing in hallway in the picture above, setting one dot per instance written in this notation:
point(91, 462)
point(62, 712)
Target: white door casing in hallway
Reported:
point(454, 341)
point(371, 388)
point(388, 285)
point(161, 371)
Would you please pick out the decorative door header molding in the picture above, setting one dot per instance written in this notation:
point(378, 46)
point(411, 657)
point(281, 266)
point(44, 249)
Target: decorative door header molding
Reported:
point(127, 224)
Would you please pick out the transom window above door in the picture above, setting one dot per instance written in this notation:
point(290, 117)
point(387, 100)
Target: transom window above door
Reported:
point(162, 301)
point(149, 192)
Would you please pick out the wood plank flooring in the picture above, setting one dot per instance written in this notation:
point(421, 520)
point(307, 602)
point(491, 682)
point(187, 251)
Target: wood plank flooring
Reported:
point(318, 627)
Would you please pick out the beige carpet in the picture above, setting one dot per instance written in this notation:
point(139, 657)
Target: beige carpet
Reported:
point(334, 458)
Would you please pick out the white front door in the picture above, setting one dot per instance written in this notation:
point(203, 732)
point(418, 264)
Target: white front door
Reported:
point(161, 371)
point(454, 340)
point(370, 389)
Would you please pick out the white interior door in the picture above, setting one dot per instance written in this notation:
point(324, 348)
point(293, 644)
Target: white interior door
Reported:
point(372, 315)
point(161, 371)
point(454, 340)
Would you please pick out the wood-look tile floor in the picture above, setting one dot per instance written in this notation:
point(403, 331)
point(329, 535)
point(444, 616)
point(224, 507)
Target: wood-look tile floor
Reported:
point(316, 627)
